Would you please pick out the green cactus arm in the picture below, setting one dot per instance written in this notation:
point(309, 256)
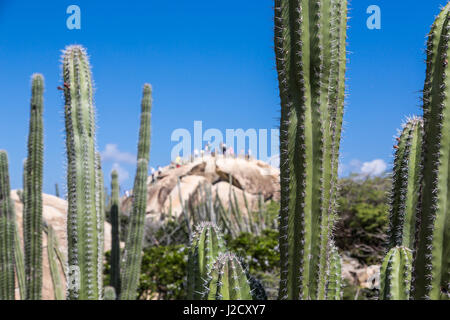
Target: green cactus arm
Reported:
point(55, 273)
point(405, 192)
point(131, 262)
point(7, 222)
point(115, 232)
point(396, 274)
point(432, 259)
point(311, 110)
point(33, 197)
point(82, 177)
point(227, 280)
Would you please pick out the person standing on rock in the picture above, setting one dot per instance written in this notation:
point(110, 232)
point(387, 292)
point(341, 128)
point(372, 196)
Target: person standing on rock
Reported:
point(224, 149)
point(152, 171)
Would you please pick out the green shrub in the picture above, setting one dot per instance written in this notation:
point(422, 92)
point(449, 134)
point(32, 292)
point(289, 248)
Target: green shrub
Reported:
point(163, 273)
point(363, 217)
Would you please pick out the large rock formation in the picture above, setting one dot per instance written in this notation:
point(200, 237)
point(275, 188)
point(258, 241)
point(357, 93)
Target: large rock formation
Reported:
point(253, 177)
point(54, 214)
point(249, 179)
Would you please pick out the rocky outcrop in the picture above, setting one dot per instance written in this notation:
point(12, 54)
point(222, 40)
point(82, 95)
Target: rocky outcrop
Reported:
point(248, 177)
point(54, 214)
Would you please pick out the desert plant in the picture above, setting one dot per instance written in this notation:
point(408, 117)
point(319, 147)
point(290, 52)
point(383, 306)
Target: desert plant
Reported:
point(32, 214)
point(227, 280)
point(131, 262)
point(7, 221)
point(431, 267)
point(83, 183)
point(406, 184)
point(396, 274)
point(207, 243)
point(311, 60)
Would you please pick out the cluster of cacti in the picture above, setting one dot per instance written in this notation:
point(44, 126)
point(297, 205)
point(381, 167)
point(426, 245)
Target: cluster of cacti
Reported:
point(202, 206)
point(395, 279)
point(419, 217)
point(132, 257)
point(213, 273)
point(310, 47)
point(33, 179)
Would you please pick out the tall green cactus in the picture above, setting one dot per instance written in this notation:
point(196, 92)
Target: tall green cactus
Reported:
point(32, 215)
point(83, 183)
point(131, 263)
point(406, 184)
point(227, 280)
point(206, 245)
point(310, 52)
point(115, 232)
point(7, 221)
point(431, 278)
point(396, 274)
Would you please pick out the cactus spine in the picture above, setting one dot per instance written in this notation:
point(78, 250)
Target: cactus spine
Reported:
point(7, 221)
point(396, 274)
point(33, 196)
point(310, 52)
point(206, 245)
point(82, 178)
point(115, 232)
point(131, 263)
point(431, 258)
point(227, 280)
point(406, 184)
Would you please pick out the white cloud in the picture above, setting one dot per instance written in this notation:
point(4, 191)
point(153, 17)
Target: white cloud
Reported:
point(369, 168)
point(374, 168)
point(112, 153)
point(123, 174)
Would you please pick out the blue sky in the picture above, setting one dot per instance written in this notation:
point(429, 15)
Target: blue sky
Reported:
point(211, 61)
